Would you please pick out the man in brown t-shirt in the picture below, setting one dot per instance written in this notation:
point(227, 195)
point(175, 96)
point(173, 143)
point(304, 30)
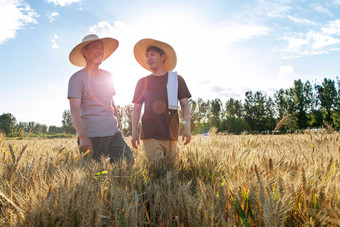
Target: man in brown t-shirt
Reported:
point(160, 123)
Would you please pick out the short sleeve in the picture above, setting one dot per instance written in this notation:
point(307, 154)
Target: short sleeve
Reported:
point(183, 91)
point(75, 87)
point(138, 97)
point(112, 82)
point(113, 90)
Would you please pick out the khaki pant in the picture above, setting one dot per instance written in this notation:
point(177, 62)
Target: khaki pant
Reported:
point(161, 153)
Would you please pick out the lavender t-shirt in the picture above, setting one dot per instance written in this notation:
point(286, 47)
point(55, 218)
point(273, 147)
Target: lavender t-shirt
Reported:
point(96, 93)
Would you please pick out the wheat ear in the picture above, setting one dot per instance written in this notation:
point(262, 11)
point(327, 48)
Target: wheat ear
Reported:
point(279, 125)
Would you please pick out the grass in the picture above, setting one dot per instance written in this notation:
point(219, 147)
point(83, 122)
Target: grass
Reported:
point(41, 136)
point(244, 180)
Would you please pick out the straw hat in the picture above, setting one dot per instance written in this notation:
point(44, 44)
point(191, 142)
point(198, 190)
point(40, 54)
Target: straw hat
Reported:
point(140, 53)
point(76, 56)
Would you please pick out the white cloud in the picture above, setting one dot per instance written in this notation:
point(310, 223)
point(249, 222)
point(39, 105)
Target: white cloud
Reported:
point(234, 32)
point(336, 2)
point(52, 16)
point(14, 15)
point(63, 2)
point(319, 8)
point(321, 40)
point(333, 28)
point(103, 28)
point(315, 42)
point(273, 8)
point(284, 72)
point(296, 43)
point(300, 20)
point(224, 92)
point(54, 44)
point(217, 89)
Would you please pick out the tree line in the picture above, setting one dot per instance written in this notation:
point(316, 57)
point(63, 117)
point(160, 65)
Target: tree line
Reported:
point(304, 105)
point(12, 128)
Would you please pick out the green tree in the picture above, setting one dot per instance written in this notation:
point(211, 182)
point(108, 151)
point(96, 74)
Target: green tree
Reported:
point(23, 125)
point(234, 108)
point(281, 105)
point(55, 129)
point(125, 118)
point(194, 114)
point(336, 112)
point(215, 112)
point(249, 106)
point(203, 110)
point(31, 125)
point(67, 122)
point(39, 128)
point(7, 123)
point(300, 102)
point(337, 103)
point(327, 94)
point(254, 111)
point(234, 125)
point(269, 114)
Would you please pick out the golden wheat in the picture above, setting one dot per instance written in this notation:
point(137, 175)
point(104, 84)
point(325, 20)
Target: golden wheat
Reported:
point(250, 180)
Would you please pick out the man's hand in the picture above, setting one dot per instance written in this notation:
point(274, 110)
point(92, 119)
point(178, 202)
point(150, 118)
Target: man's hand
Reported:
point(135, 140)
point(186, 134)
point(85, 143)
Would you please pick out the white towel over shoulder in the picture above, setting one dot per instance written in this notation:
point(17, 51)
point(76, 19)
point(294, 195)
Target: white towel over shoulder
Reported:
point(172, 89)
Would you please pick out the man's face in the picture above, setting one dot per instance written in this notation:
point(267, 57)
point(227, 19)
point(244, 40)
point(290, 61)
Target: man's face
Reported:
point(94, 53)
point(154, 60)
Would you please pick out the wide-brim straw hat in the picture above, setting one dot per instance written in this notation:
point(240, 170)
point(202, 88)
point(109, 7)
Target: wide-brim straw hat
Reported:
point(76, 55)
point(140, 53)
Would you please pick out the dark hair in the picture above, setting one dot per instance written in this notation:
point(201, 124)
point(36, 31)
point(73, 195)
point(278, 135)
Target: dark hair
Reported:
point(156, 49)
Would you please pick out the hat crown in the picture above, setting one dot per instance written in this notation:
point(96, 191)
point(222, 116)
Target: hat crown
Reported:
point(90, 37)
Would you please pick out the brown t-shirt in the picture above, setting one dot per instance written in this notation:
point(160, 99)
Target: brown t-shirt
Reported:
point(158, 122)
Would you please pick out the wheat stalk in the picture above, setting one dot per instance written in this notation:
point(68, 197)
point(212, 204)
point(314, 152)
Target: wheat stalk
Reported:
point(281, 123)
point(15, 207)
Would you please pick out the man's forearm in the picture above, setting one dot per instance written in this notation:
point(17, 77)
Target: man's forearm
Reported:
point(135, 119)
point(115, 111)
point(186, 116)
point(78, 124)
point(185, 112)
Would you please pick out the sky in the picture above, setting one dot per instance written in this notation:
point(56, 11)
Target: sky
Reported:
point(224, 47)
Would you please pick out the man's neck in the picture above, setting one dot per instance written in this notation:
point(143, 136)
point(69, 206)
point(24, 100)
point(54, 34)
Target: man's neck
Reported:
point(159, 72)
point(92, 69)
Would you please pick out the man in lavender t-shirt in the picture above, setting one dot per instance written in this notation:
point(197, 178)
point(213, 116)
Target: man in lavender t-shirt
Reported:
point(90, 93)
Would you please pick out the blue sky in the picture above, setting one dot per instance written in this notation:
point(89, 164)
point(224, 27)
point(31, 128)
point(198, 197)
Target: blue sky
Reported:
point(224, 48)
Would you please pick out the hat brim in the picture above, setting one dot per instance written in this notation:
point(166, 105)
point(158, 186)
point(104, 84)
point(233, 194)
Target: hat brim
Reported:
point(140, 53)
point(76, 56)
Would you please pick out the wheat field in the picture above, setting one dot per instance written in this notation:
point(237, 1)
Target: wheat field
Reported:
point(221, 180)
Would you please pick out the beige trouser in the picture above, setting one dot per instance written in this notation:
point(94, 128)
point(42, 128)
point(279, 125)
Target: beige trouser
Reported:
point(161, 152)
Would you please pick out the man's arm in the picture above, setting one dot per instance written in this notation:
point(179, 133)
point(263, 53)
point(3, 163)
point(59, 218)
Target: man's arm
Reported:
point(85, 142)
point(186, 116)
point(135, 121)
point(115, 113)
